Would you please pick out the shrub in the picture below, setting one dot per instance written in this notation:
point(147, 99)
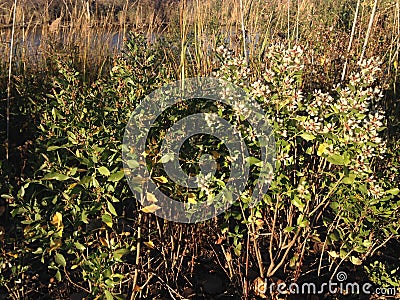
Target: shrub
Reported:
point(331, 196)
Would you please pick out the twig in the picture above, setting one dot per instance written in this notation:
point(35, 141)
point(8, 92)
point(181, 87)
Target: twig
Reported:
point(135, 276)
point(73, 283)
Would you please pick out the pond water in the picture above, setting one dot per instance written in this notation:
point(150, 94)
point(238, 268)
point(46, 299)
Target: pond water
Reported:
point(110, 42)
point(34, 41)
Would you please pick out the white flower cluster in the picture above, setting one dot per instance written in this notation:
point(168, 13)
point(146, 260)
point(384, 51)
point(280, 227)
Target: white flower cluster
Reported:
point(303, 189)
point(279, 85)
point(347, 117)
point(291, 58)
point(375, 190)
point(233, 69)
point(353, 118)
point(369, 69)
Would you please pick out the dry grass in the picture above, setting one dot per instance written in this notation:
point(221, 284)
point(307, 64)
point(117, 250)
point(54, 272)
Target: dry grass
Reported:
point(246, 24)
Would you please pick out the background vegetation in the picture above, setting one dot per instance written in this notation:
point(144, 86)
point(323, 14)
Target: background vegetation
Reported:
point(72, 72)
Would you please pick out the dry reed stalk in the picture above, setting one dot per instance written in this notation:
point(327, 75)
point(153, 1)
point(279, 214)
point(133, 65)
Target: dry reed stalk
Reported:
point(243, 31)
point(184, 32)
point(9, 82)
point(371, 21)
point(351, 37)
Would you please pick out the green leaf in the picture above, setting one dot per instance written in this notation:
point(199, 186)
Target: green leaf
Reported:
point(253, 161)
point(117, 176)
point(166, 158)
point(288, 229)
point(355, 261)
point(307, 136)
point(238, 249)
point(367, 243)
point(334, 205)
point(297, 202)
point(58, 275)
point(118, 254)
point(333, 236)
point(107, 219)
point(394, 191)
point(79, 246)
point(108, 295)
point(349, 179)
point(60, 260)
point(336, 159)
point(321, 148)
point(55, 176)
point(302, 221)
point(111, 209)
point(84, 216)
point(52, 148)
point(104, 171)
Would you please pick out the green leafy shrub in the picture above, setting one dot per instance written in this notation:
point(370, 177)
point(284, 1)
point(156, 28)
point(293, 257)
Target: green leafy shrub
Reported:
point(333, 195)
point(70, 210)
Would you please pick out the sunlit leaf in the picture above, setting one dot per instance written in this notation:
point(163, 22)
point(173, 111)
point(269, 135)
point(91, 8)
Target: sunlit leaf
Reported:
point(117, 176)
point(111, 208)
point(321, 148)
point(55, 176)
point(108, 295)
point(60, 260)
point(307, 136)
point(104, 171)
point(355, 261)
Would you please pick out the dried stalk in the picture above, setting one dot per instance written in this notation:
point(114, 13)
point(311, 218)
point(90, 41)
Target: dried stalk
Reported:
point(371, 21)
point(353, 29)
point(9, 80)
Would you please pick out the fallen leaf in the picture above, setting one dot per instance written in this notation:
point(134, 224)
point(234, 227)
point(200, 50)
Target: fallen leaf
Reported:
point(161, 179)
point(104, 242)
point(151, 197)
point(259, 287)
point(57, 220)
point(192, 198)
point(149, 244)
point(219, 241)
point(150, 208)
point(259, 223)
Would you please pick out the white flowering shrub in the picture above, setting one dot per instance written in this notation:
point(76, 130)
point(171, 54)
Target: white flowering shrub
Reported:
point(330, 195)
